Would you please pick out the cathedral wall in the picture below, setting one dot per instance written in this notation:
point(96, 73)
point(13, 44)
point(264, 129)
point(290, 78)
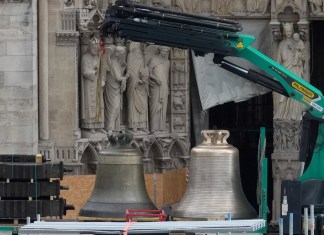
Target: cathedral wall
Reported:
point(62, 97)
point(18, 77)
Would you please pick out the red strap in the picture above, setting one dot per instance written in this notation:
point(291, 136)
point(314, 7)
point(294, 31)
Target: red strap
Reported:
point(102, 45)
point(128, 225)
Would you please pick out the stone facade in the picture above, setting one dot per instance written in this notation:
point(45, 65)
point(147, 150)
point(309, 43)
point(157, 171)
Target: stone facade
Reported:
point(48, 121)
point(18, 77)
point(74, 23)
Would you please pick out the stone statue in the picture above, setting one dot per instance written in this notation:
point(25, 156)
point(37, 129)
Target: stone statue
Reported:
point(257, 6)
point(221, 7)
point(287, 108)
point(191, 6)
point(137, 89)
point(159, 67)
point(316, 6)
point(299, 56)
point(115, 66)
point(92, 89)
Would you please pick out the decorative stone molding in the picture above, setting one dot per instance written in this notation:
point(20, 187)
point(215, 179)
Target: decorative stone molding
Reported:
point(160, 154)
point(89, 19)
point(46, 148)
point(288, 11)
point(316, 9)
point(286, 136)
point(67, 38)
point(87, 153)
point(163, 153)
point(67, 33)
point(179, 91)
point(286, 169)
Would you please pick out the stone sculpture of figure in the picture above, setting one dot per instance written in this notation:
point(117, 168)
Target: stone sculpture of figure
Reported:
point(299, 50)
point(287, 108)
point(92, 89)
point(115, 66)
point(316, 6)
point(256, 6)
point(159, 67)
point(137, 89)
point(221, 7)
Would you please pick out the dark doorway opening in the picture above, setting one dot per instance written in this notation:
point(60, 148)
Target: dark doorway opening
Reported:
point(243, 120)
point(317, 54)
point(316, 69)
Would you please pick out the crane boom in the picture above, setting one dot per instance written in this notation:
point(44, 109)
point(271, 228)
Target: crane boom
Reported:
point(204, 35)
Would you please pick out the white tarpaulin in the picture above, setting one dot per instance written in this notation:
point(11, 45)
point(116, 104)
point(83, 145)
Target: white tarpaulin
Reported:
point(216, 85)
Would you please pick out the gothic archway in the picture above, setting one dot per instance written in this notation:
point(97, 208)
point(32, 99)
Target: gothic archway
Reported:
point(89, 159)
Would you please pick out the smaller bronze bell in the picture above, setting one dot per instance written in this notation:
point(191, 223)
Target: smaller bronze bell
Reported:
point(119, 183)
point(214, 188)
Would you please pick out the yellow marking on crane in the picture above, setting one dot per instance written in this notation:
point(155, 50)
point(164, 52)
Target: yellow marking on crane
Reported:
point(240, 45)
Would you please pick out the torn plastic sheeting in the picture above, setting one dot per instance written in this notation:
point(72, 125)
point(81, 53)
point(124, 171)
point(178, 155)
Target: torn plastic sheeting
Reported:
point(217, 86)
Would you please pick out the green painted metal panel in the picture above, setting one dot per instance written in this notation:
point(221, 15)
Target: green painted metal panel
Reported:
point(315, 169)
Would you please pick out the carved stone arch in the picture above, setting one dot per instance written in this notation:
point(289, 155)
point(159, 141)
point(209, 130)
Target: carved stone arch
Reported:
point(177, 153)
point(289, 11)
point(89, 19)
point(136, 146)
point(89, 159)
point(176, 149)
point(154, 153)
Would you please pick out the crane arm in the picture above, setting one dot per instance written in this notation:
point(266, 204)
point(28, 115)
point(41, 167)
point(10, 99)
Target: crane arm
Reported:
point(203, 35)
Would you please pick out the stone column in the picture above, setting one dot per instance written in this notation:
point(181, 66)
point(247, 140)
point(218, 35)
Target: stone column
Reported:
point(287, 17)
point(43, 70)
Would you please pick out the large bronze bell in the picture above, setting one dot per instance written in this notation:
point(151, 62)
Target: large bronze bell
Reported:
point(214, 189)
point(119, 183)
